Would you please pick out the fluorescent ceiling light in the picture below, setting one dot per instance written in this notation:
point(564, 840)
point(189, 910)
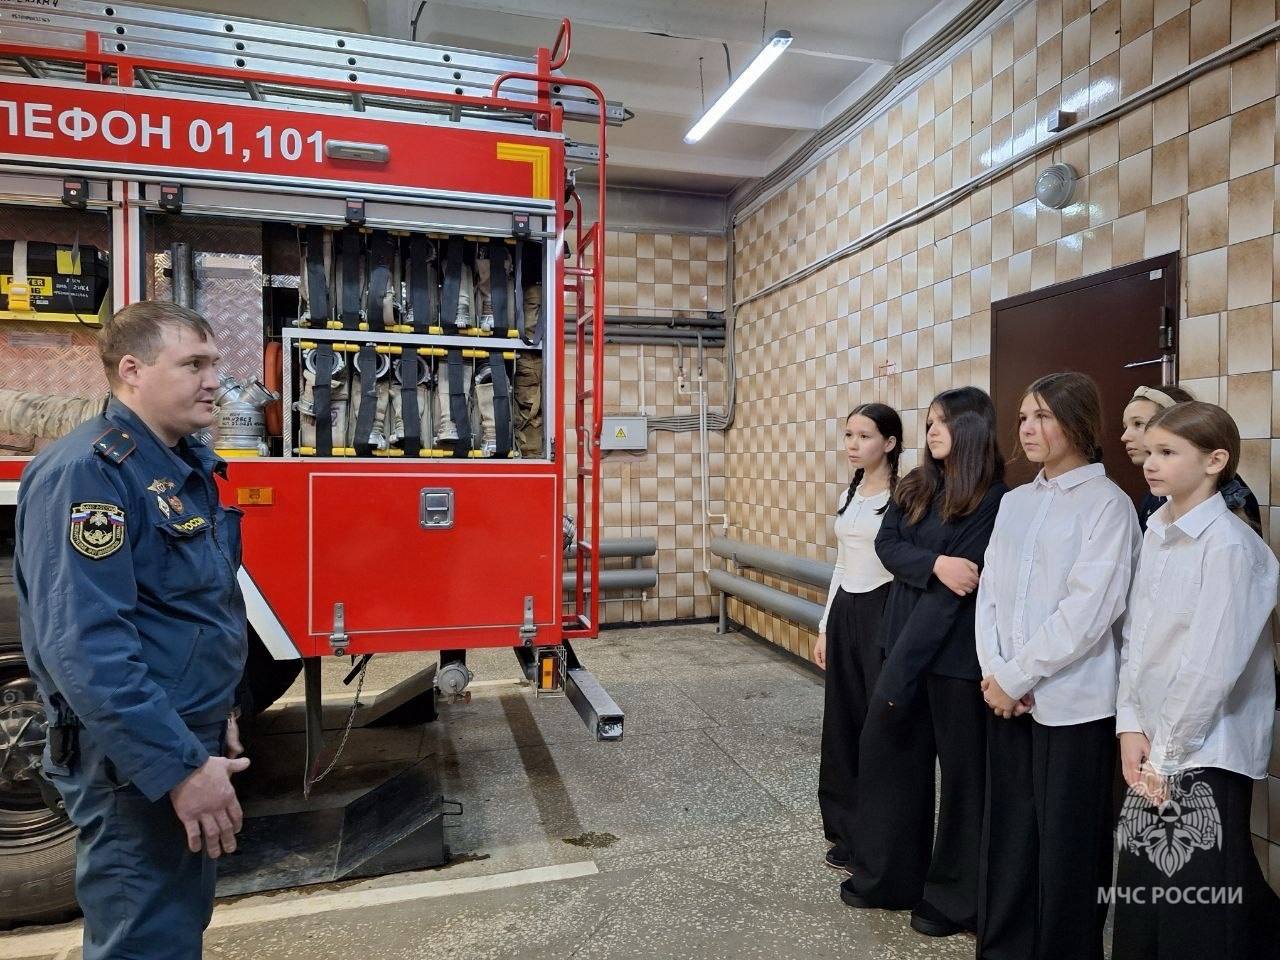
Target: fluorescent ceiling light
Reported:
point(763, 61)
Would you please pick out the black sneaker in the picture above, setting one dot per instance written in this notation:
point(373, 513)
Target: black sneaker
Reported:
point(835, 861)
point(929, 920)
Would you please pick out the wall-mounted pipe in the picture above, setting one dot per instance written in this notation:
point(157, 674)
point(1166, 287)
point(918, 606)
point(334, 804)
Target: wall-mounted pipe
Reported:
point(654, 342)
point(713, 320)
point(624, 579)
point(772, 561)
point(624, 547)
point(767, 598)
point(659, 334)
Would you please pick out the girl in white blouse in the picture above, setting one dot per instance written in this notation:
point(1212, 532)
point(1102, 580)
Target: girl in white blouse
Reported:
point(1195, 708)
point(1054, 583)
point(847, 646)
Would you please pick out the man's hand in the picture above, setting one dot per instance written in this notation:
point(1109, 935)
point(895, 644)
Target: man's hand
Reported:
point(206, 804)
point(233, 748)
point(1134, 750)
point(1000, 702)
point(957, 574)
point(820, 650)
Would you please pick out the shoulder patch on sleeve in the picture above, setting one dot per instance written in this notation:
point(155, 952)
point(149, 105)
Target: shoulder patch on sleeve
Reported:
point(115, 446)
point(96, 530)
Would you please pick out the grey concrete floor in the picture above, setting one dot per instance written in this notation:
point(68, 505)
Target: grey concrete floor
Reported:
point(697, 836)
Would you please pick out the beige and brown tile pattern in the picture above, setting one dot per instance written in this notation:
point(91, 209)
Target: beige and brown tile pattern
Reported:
point(659, 493)
point(1193, 171)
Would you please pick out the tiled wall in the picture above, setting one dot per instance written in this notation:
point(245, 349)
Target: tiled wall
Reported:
point(659, 493)
point(1193, 171)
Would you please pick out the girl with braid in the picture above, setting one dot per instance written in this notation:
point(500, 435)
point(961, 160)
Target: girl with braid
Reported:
point(847, 646)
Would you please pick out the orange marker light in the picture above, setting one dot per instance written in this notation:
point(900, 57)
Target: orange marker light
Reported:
point(255, 496)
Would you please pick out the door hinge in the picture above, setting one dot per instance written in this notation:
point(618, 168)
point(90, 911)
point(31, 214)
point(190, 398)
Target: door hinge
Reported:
point(529, 629)
point(338, 639)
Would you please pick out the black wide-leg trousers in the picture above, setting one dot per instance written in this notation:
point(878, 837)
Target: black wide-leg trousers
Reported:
point(1046, 845)
point(1188, 884)
point(854, 658)
point(901, 859)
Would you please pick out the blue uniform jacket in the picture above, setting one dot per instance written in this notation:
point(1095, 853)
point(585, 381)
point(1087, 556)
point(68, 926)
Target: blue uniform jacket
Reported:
point(130, 610)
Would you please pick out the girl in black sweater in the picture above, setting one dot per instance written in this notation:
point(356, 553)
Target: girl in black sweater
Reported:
point(927, 705)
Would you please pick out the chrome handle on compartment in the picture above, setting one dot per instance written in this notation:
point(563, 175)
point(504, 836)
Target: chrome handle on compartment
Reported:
point(435, 508)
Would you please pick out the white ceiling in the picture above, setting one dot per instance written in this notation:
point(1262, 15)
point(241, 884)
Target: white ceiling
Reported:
point(645, 53)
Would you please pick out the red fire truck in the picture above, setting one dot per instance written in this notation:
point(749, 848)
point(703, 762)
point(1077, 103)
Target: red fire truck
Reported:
point(383, 235)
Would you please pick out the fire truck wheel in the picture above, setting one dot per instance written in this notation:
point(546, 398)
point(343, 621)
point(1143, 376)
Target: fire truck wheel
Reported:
point(37, 844)
point(266, 679)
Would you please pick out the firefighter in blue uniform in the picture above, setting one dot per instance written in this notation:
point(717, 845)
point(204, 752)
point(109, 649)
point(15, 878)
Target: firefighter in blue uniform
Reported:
point(134, 627)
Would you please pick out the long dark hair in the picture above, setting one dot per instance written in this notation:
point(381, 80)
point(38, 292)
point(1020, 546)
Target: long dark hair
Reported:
point(1073, 398)
point(971, 467)
point(889, 424)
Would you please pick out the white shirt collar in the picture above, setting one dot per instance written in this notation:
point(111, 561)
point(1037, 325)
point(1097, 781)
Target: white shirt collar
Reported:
point(1193, 523)
point(1072, 478)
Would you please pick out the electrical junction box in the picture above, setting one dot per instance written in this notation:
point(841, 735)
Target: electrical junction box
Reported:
point(625, 433)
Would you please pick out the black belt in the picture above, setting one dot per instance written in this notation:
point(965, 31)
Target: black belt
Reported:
point(367, 367)
point(536, 339)
point(382, 250)
point(351, 286)
point(322, 399)
point(410, 416)
point(423, 296)
point(453, 265)
point(498, 365)
point(317, 280)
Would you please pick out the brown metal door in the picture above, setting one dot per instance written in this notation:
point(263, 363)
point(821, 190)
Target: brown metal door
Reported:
point(1098, 325)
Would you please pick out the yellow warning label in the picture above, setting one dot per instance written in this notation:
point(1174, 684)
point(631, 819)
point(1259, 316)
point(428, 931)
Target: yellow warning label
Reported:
point(40, 286)
point(620, 433)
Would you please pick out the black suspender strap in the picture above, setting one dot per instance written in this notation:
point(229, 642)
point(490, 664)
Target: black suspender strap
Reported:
point(497, 365)
point(317, 281)
point(381, 251)
point(518, 258)
point(452, 284)
point(449, 306)
point(540, 328)
point(410, 416)
point(351, 287)
point(458, 411)
point(367, 367)
point(322, 399)
point(423, 297)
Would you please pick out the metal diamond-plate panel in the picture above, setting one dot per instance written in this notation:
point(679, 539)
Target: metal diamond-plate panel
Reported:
point(46, 356)
point(228, 280)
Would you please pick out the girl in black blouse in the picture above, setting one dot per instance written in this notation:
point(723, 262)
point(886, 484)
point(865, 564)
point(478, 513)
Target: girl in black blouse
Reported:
point(927, 706)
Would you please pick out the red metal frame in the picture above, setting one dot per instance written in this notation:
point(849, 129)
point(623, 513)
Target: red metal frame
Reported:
point(584, 622)
point(290, 478)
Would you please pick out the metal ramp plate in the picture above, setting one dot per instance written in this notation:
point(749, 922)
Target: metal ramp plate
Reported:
point(396, 826)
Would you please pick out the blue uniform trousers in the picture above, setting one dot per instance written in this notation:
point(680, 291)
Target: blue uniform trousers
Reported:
point(145, 896)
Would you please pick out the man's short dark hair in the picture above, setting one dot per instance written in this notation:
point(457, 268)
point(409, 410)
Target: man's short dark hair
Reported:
point(137, 330)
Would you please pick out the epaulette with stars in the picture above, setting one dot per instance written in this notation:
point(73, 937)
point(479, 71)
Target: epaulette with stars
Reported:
point(115, 445)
